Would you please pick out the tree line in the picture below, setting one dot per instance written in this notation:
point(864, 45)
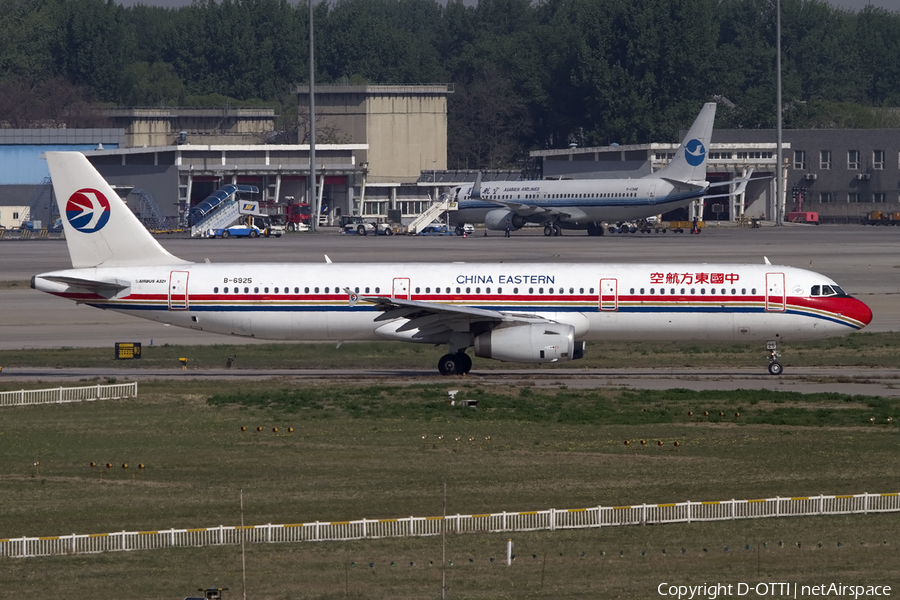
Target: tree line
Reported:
point(527, 75)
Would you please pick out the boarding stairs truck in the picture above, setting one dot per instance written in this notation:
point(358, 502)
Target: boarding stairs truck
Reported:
point(219, 210)
point(250, 223)
point(425, 219)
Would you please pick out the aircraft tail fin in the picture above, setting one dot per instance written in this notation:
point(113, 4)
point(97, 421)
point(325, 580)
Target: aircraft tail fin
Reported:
point(101, 231)
point(689, 163)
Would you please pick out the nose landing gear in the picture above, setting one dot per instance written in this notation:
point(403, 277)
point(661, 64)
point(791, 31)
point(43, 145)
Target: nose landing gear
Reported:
point(775, 367)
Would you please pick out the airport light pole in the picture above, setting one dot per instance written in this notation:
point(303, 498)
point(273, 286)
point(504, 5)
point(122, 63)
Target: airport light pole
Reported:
point(314, 200)
point(779, 184)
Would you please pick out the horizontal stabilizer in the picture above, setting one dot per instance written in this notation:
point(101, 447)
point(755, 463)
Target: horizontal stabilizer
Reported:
point(89, 284)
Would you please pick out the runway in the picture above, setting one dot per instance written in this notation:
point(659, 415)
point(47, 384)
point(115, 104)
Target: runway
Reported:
point(862, 260)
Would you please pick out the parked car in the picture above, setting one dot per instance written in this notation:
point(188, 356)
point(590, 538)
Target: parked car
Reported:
point(253, 228)
point(465, 229)
point(436, 229)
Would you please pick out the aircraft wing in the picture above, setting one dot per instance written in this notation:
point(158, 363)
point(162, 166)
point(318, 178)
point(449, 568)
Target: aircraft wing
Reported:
point(530, 210)
point(426, 319)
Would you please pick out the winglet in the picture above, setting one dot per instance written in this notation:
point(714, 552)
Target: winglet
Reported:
point(327, 260)
point(476, 187)
point(766, 258)
point(742, 183)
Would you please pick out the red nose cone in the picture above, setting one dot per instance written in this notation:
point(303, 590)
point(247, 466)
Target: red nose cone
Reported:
point(857, 310)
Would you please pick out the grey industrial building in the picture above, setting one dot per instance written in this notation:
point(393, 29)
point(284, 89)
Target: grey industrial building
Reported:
point(387, 150)
point(842, 174)
point(176, 157)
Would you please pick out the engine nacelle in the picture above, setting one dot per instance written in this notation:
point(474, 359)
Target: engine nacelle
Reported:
point(530, 343)
point(496, 220)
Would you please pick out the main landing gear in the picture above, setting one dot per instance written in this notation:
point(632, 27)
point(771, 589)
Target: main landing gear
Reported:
point(456, 363)
point(775, 367)
point(552, 229)
point(595, 229)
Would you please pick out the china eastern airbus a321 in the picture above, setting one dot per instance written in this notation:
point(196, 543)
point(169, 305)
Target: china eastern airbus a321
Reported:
point(588, 203)
point(516, 312)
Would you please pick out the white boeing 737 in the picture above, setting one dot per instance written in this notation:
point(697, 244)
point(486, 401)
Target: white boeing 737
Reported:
point(527, 313)
point(588, 203)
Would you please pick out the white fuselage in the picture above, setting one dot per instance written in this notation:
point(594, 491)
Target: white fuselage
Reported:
point(576, 203)
point(655, 301)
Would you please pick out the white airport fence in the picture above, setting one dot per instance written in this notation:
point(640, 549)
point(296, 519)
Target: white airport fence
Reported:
point(60, 395)
point(552, 519)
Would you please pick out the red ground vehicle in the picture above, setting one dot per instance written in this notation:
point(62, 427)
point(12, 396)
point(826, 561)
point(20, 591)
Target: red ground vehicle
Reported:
point(295, 214)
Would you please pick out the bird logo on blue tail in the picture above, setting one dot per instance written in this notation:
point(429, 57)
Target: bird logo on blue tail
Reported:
point(694, 152)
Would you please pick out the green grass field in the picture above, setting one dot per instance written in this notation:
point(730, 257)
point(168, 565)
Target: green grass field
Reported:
point(862, 349)
point(357, 451)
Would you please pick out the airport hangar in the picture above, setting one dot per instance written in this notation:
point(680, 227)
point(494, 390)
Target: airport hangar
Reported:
point(384, 148)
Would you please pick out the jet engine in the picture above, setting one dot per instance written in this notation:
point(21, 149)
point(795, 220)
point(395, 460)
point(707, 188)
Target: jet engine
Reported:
point(530, 343)
point(496, 220)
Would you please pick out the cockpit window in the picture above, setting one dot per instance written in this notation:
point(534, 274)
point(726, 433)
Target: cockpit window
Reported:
point(826, 290)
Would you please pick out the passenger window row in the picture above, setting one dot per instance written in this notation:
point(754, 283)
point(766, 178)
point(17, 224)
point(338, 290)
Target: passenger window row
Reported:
point(693, 291)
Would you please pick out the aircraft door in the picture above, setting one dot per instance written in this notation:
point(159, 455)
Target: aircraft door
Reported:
point(401, 288)
point(178, 290)
point(609, 295)
point(775, 301)
point(652, 193)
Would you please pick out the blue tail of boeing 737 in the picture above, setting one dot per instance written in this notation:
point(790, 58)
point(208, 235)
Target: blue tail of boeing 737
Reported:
point(689, 163)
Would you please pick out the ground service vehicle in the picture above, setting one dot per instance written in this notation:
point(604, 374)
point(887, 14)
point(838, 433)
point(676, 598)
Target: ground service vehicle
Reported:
point(297, 215)
point(355, 224)
point(437, 229)
point(254, 227)
point(878, 217)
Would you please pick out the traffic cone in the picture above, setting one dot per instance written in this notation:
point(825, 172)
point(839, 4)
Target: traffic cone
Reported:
point(464, 235)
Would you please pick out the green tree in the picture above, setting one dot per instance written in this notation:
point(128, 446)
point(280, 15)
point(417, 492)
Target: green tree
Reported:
point(144, 84)
point(26, 31)
point(878, 32)
point(379, 41)
point(95, 45)
point(485, 122)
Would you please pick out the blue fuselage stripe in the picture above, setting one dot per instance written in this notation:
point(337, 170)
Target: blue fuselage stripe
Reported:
point(531, 308)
